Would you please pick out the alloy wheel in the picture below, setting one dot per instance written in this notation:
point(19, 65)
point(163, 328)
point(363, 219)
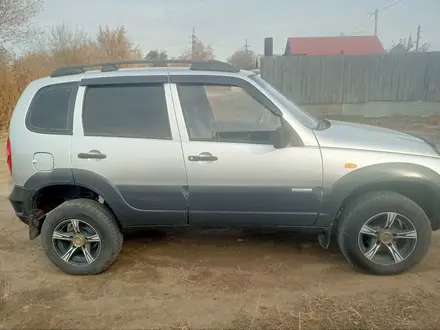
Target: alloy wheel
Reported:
point(76, 242)
point(387, 238)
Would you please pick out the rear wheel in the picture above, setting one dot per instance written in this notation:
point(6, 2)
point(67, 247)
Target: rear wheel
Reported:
point(384, 233)
point(81, 237)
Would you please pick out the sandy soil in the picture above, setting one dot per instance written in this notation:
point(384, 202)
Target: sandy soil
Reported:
point(210, 279)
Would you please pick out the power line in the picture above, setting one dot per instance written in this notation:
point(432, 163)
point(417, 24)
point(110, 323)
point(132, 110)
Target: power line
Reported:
point(362, 25)
point(378, 10)
point(390, 5)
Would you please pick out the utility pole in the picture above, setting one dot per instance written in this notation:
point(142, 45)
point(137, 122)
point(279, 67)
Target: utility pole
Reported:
point(246, 46)
point(418, 38)
point(410, 43)
point(193, 43)
point(376, 20)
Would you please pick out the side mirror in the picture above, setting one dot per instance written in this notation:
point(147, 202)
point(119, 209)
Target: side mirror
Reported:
point(281, 137)
point(278, 138)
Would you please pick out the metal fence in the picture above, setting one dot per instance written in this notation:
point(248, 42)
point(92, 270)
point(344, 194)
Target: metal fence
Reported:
point(334, 79)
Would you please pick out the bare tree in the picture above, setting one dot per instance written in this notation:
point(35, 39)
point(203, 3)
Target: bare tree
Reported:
point(114, 44)
point(16, 20)
point(243, 59)
point(198, 52)
point(66, 45)
point(405, 45)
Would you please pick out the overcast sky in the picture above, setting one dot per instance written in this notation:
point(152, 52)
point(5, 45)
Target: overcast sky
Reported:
point(225, 24)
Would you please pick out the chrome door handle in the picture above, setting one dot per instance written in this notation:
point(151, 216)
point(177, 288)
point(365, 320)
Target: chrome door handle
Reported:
point(92, 154)
point(203, 157)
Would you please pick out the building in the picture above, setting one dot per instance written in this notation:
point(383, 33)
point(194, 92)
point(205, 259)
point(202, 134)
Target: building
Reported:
point(347, 45)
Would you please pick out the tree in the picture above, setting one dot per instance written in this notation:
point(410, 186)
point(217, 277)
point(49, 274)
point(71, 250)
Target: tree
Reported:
point(157, 55)
point(114, 44)
point(198, 52)
point(243, 59)
point(405, 45)
point(64, 45)
point(16, 20)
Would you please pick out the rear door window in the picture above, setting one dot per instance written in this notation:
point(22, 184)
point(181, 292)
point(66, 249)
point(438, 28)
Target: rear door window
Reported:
point(129, 111)
point(51, 110)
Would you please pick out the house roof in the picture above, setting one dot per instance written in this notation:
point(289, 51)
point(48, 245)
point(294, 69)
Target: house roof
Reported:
point(348, 45)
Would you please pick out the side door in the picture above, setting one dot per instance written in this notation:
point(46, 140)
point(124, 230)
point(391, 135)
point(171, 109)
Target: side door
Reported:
point(126, 147)
point(235, 175)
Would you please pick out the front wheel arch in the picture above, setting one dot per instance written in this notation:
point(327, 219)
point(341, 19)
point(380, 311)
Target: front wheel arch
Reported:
point(418, 183)
point(420, 193)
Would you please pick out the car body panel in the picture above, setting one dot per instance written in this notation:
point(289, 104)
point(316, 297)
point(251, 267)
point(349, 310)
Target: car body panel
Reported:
point(250, 184)
point(151, 182)
point(352, 136)
point(148, 174)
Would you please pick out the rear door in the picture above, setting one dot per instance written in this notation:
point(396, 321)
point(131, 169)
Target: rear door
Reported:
point(126, 147)
point(235, 175)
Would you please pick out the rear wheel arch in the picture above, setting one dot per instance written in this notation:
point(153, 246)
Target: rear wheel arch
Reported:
point(51, 189)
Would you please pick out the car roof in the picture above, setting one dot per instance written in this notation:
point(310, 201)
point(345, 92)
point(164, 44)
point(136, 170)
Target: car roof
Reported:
point(140, 71)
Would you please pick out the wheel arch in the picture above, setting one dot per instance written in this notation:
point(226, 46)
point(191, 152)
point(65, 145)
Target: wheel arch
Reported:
point(417, 182)
point(59, 185)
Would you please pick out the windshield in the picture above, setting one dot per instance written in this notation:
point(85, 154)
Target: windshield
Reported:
point(305, 118)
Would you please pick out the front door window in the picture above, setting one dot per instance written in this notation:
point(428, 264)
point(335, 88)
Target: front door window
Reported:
point(221, 113)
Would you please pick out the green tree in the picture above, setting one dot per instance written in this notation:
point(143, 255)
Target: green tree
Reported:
point(243, 59)
point(157, 55)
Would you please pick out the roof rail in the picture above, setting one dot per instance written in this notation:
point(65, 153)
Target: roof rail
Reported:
point(209, 65)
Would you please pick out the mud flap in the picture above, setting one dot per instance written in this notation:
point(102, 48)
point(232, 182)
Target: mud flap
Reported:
point(35, 224)
point(34, 232)
point(325, 237)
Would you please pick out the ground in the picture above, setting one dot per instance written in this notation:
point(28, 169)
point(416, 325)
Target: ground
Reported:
point(212, 279)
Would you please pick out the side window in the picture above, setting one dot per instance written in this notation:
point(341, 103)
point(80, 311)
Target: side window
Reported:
point(226, 113)
point(51, 110)
point(129, 111)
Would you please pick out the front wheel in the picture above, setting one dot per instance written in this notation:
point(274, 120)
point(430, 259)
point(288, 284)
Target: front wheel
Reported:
point(384, 233)
point(81, 237)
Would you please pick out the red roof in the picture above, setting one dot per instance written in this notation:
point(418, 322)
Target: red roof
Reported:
point(348, 45)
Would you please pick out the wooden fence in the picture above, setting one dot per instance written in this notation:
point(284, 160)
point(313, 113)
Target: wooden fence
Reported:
point(335, 79)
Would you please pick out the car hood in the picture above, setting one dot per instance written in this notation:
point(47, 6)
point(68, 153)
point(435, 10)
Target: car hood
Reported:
point(366, 137)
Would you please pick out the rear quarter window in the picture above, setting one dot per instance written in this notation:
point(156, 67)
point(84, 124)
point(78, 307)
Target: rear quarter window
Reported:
point(51, 110)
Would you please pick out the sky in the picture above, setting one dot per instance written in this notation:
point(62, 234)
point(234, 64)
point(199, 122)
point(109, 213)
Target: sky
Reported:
point(226, 24)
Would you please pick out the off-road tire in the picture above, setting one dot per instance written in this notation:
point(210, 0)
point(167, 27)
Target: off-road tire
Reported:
point(97, 215)
point(357, 212)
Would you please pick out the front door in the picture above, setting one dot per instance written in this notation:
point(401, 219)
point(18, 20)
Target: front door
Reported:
point(235, 175)
point(127, 148)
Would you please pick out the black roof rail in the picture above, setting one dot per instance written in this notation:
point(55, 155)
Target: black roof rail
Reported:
point(209, 65)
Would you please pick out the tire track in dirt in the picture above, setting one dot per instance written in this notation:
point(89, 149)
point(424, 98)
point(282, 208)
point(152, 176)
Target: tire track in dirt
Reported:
point(5, 286)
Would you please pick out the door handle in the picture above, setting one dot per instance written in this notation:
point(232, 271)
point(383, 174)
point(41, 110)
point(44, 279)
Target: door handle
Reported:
point(203, 157)
point(92, 154)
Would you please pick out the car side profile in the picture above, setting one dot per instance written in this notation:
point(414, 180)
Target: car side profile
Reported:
point(94, 153)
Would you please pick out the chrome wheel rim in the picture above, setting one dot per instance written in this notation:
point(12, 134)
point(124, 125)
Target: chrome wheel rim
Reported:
point(387, 238)
point(76, 242)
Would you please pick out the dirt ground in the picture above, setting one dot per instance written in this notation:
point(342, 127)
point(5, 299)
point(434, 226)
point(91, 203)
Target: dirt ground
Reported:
point(210, 280)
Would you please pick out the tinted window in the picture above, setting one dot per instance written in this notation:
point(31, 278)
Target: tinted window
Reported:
point(51, 110)
point(133, 111)
point(226, 114)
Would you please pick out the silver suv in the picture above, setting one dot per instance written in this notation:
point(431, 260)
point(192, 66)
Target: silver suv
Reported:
point(93, 153)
